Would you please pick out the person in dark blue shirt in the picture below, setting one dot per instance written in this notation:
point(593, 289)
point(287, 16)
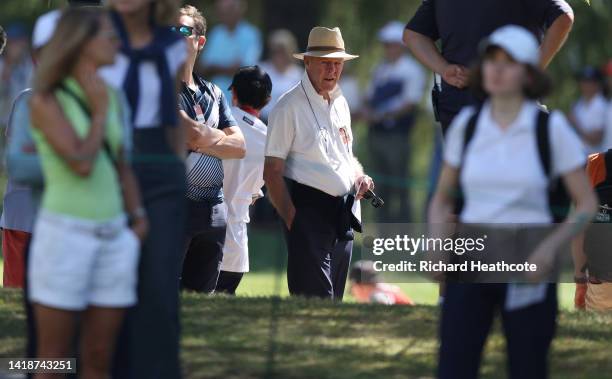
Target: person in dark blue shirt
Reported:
point(212, 135)
point(461, 25)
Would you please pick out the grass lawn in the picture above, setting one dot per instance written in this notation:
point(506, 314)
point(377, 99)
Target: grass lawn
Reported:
point(258, 337)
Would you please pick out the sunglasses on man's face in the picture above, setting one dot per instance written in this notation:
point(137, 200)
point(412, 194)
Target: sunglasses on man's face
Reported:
point(183, 30)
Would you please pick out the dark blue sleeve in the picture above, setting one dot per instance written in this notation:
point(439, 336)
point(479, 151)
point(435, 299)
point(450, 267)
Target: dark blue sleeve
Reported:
point(226, 119)
point(545, 12)
point(424, 20)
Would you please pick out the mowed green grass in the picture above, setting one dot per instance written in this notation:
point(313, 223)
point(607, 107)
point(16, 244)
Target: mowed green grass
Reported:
point(272, 337)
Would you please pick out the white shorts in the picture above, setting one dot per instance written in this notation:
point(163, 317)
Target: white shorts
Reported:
point(75, 263)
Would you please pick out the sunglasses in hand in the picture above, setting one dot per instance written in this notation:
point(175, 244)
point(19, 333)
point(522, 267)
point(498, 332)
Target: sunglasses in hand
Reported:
point(184, 30)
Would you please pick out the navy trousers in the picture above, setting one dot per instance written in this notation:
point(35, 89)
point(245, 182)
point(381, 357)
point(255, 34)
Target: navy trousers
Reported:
point(467, 315)
point(319, 252)
point(203, 246)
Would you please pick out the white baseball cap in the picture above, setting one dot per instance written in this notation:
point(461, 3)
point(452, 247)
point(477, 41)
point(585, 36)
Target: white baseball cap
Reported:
point(392, 32)
point(517, 41)
point(44, 28)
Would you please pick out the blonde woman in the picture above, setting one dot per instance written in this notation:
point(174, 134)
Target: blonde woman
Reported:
point(148, 69)
point(83, 256)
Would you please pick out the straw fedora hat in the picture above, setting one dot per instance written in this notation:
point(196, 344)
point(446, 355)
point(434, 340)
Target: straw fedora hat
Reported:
point(325, 43)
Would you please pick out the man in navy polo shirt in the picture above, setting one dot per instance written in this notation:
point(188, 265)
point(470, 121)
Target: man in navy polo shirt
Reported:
point(461, 25)
point(212, 136)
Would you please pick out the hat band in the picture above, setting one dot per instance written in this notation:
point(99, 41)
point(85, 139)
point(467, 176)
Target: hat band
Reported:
point(325, 48)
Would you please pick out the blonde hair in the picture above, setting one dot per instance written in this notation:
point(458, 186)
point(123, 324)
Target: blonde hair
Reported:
point(75, 28)
point(199, 22)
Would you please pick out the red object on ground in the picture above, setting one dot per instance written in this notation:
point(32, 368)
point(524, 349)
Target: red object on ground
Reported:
point(14, 243)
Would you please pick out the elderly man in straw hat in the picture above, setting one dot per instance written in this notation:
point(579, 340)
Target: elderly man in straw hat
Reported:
point(311, 173)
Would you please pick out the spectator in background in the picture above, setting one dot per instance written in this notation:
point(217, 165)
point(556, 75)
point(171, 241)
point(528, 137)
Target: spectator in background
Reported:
point(352, 92)
point(232, 44)
point(212, 136)
point(24, 182)
point(393, 96)
point(461, 25)
point(589, 113)
point(281, 66)
point(251, 89)
point(15, 69)
point(2, 39)
point(366, 287)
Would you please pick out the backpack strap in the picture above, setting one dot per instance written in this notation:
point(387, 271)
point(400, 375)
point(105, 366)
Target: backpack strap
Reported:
point(467, 137)
point(469, 132)
point(85, 108)
point(543, 140)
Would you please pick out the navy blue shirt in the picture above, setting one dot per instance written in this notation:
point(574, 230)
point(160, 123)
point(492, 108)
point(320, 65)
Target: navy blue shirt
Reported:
point(205, 172)
point(460, 25)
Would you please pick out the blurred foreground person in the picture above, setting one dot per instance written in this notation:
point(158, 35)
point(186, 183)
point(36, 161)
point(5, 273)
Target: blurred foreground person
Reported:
point(367, 288)
point(251, 89)
point(504, 157)
point(148, 69)
point(314, 180)
point(84, 256)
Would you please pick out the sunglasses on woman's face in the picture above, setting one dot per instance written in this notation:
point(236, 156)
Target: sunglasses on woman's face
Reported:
point(183, 30)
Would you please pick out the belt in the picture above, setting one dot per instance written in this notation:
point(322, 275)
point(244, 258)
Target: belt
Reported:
point(99, 229)
point(338, 207)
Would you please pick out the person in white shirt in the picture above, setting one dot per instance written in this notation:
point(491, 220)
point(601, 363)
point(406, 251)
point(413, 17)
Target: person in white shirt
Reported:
point(395, 90)
point(311, 173)
point(251, 88)
point(283, 71)
point(589, 113)
point(503, 179)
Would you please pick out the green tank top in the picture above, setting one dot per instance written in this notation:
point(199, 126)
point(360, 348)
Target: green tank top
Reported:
point(98, 196)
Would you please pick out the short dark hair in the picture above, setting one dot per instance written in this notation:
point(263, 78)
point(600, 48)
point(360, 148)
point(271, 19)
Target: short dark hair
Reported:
point(252, 86)
point(539, 84)
point(2, 39)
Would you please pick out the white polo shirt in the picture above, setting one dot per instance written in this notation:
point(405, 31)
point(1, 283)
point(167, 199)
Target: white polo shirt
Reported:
point(314, 138)
point(242, 181)
point(501, 175)
point(591, 116)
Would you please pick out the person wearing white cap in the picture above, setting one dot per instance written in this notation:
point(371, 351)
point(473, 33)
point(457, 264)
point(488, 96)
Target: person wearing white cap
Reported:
point(395, 90)
point(24, 184)
point(310, 171)
point(496, 155)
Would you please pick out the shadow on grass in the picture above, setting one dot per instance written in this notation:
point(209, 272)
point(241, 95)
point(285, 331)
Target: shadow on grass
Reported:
point(232, 338)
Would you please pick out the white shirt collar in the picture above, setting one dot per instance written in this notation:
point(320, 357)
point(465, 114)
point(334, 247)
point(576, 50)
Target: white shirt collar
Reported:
point(524, 120)
point(313, 94)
